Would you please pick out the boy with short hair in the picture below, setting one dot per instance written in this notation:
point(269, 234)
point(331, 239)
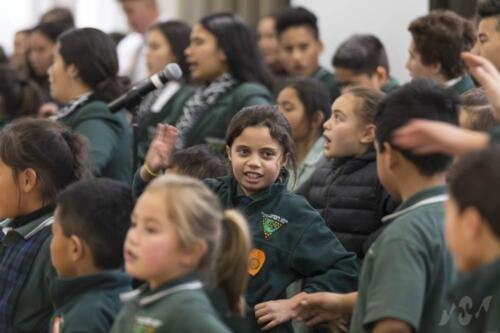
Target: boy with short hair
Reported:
point(91, 221)
point(301, 46)
point(473, 237)
point(438, 39)
point(362, 60)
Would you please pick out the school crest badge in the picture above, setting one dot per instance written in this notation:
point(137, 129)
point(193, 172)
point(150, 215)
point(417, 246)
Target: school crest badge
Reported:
point(272, 223)
point(146, 325)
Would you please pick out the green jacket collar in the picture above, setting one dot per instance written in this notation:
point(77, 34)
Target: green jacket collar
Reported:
point(29, 225)
point(64, 290)
point(428, 196)
point(146, 296)
point(277, 187)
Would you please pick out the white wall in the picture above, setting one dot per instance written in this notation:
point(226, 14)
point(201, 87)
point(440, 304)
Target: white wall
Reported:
point(387, 19)
point(103, 14)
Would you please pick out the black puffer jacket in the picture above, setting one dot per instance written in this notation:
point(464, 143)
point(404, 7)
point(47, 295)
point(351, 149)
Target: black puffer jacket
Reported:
point(350, 198)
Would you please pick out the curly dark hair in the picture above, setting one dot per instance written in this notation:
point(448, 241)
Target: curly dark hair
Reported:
point(440, 37)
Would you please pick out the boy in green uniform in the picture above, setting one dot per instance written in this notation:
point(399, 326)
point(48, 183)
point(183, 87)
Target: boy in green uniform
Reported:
point(438, 39)
point(300, 47)
point(362, 60)
point(473, 237)
point(407, 270)
point(89, 229)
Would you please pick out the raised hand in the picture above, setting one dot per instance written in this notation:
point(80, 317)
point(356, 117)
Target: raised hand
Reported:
point(160, 151)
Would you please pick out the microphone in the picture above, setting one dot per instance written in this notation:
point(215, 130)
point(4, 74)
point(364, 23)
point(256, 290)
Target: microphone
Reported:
point(134, 96)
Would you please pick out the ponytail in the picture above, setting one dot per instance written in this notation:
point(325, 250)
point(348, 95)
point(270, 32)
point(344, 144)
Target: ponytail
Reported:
point(232, 263)
point(110, 88)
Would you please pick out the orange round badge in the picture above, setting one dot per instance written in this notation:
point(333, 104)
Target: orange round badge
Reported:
point(256, 260)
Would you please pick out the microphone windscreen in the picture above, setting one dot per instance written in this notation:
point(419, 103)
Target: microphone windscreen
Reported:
point(173, 71)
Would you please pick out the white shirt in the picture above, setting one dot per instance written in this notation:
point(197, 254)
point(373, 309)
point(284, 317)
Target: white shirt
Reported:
point(132, 55)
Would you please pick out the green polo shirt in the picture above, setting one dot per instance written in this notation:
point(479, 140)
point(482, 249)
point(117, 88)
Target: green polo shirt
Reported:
point(306, 169)
point(180, 305)
point(476, 300)
point(33, 307)
point(408, 269)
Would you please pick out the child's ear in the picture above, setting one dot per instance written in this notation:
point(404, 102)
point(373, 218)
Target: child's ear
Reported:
point(436, 68)
point(286, 157)
point(77, 248)
point(368, 135)
point(317, 120)
point(474, 224)
point(382, 76)
point(221, 55)
point(192, 256)
point(73, 71)
point(28, 180)
point(228, 152)
point(392, 155)
point(321, 46)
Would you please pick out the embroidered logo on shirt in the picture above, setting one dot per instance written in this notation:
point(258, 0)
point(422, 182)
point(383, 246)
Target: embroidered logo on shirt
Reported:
point(146, 325)
point(256, 260)
point(272, 223)
point(57, 324)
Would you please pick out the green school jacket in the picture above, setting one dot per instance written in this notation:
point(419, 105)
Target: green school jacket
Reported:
point(88, 303)
point(177, 306)
point(291, 241)
point(211, 127)
point(109, 139)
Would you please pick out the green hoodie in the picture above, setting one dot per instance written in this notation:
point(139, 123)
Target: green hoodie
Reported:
point(109, 139)
point(291, 242)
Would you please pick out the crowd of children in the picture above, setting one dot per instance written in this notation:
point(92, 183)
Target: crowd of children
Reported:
point(353, 204)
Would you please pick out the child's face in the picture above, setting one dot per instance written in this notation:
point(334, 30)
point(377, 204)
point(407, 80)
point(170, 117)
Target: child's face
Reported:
point(345, 78)
point(60, 248)
point(268, 41)
point(460, 245)
point(15, 192)
point(299, 51)
point(159, 52)
point(206, 60)
point(152, 249)
point(60, 76)
point(292, 108)
point(343, 132)
point(256, 159)
point(416, 68)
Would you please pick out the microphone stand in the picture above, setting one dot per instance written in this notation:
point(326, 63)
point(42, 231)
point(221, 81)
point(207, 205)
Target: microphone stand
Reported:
point(135, 137)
